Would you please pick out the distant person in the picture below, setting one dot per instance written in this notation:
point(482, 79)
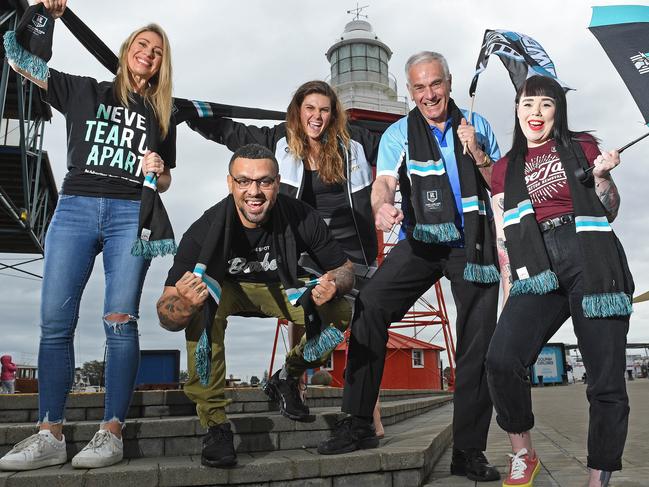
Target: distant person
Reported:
point(243, 253)
point(441, 159)
point(559, 258)
point(8, 374)
point(98, 212)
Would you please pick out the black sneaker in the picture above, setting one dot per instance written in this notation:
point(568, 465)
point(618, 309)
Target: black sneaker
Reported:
point(472, 463)
point(350, 434)
point(218, 447)
point(286, 392)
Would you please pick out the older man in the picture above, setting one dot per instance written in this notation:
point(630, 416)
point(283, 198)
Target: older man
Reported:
point(441, 156)
point(243, 253)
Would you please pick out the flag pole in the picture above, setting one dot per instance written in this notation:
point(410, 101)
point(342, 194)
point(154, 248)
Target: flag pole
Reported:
point(470, 120)
point(584, 174)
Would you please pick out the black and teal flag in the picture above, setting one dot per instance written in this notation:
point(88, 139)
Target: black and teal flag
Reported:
point(623, 32)
point(522, 56)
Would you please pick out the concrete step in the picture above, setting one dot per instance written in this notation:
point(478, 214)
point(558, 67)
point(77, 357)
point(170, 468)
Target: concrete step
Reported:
point(22, 408)
point(404, 459)
point(254, 432)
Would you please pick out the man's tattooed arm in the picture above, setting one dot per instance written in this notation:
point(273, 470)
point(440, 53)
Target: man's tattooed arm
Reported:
point(608, 194)
point(344, 277)
point(175, 312)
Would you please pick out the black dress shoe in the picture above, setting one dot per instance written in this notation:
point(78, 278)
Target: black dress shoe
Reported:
point(350, 434)
point(472, 463)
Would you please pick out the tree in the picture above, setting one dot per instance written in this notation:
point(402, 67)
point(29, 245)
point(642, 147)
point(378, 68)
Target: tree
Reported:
point(94, 371)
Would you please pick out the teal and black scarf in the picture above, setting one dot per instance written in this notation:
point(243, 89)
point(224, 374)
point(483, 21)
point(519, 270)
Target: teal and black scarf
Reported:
point(608, 284)
point(433, 202)
point(321, 338)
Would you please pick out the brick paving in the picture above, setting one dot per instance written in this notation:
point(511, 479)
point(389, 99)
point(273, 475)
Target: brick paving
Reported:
point(560, 440)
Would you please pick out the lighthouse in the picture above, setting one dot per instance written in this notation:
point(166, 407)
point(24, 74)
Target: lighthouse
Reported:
point(360, 75)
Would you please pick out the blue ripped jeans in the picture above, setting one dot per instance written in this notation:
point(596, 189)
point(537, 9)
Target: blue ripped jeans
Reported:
point(81, 228)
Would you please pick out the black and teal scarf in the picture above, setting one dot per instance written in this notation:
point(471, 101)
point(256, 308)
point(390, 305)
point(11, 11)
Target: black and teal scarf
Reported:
point(321, 337)
point(433, 202)
point(608, 285)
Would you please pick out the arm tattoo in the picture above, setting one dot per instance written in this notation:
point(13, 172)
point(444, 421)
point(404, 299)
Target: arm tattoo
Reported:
point(608, 194)
point(503, 258)
point(174, 313)
point(344, 276)
point(501, 203)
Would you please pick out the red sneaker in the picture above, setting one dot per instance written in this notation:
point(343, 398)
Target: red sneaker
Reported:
point(522, 470)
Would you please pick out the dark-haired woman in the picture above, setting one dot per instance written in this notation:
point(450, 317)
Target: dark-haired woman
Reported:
point(323, 161)
point(559, 259)
point(98, 212)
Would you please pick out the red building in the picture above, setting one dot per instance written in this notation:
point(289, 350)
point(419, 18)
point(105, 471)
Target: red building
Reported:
point(409, 364)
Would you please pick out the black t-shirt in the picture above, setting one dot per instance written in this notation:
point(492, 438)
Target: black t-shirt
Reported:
point(106, 141)
point(311, 236)
point(330, 199)
point(253, 256)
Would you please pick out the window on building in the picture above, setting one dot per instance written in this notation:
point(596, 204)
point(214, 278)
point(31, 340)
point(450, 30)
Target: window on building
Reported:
point(359, 64)
point(417, 359)
point(344, 65)
point(329, 364)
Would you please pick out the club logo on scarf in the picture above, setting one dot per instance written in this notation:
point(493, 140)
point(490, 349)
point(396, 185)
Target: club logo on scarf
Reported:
point(433, 202)
point(641, 62)
point(39, 21)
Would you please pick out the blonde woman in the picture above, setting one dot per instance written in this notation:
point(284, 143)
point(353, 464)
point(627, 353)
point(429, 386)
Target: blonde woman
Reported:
point(98, 212)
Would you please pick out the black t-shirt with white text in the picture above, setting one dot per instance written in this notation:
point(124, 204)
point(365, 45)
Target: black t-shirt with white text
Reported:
point(252, 255)
point(255, 246)
point(106, 142)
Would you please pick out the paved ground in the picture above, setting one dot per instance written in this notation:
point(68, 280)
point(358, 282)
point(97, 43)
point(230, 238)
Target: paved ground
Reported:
point(560, 440)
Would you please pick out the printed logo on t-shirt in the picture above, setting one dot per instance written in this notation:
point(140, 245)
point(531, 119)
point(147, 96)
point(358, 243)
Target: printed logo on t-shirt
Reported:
point(118, 138)
point(241, 265)
point(545, 176)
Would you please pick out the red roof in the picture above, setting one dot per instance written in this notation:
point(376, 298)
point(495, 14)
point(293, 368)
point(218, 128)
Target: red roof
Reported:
point(398, 341)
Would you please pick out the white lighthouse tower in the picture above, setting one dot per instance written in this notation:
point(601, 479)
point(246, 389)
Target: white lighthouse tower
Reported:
point(360, 75)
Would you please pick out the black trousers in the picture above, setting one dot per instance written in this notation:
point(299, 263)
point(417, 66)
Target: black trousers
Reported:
point(408, 271)
point(528, 322)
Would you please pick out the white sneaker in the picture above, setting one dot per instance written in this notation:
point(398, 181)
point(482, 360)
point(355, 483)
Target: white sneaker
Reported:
point(103, 450)
point(39, 450)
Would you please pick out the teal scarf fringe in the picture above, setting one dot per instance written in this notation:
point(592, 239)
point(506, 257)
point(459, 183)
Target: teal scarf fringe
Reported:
point(325, 342)
point(202, 357)
point(24, 59)
point(438, 233)
point(541, 283)
point(155, 248)
point(606, 304)
point(484, 274)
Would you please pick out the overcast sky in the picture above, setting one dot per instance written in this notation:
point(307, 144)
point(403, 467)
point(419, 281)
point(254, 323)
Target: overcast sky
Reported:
point(256, 53)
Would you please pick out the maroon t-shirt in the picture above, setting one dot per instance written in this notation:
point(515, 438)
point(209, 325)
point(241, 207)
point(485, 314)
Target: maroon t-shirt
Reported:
point(545, 177)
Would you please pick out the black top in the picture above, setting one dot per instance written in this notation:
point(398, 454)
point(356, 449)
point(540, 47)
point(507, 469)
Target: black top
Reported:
point(253, 258)
point(106, 141)
point(332, 203)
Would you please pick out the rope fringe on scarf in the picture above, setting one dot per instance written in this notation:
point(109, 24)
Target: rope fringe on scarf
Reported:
point(485, 274)
point(325, 342)
point(203, 358)
point(436, 233)
point(542, 283)
point(24, 59)
point(606, 305)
